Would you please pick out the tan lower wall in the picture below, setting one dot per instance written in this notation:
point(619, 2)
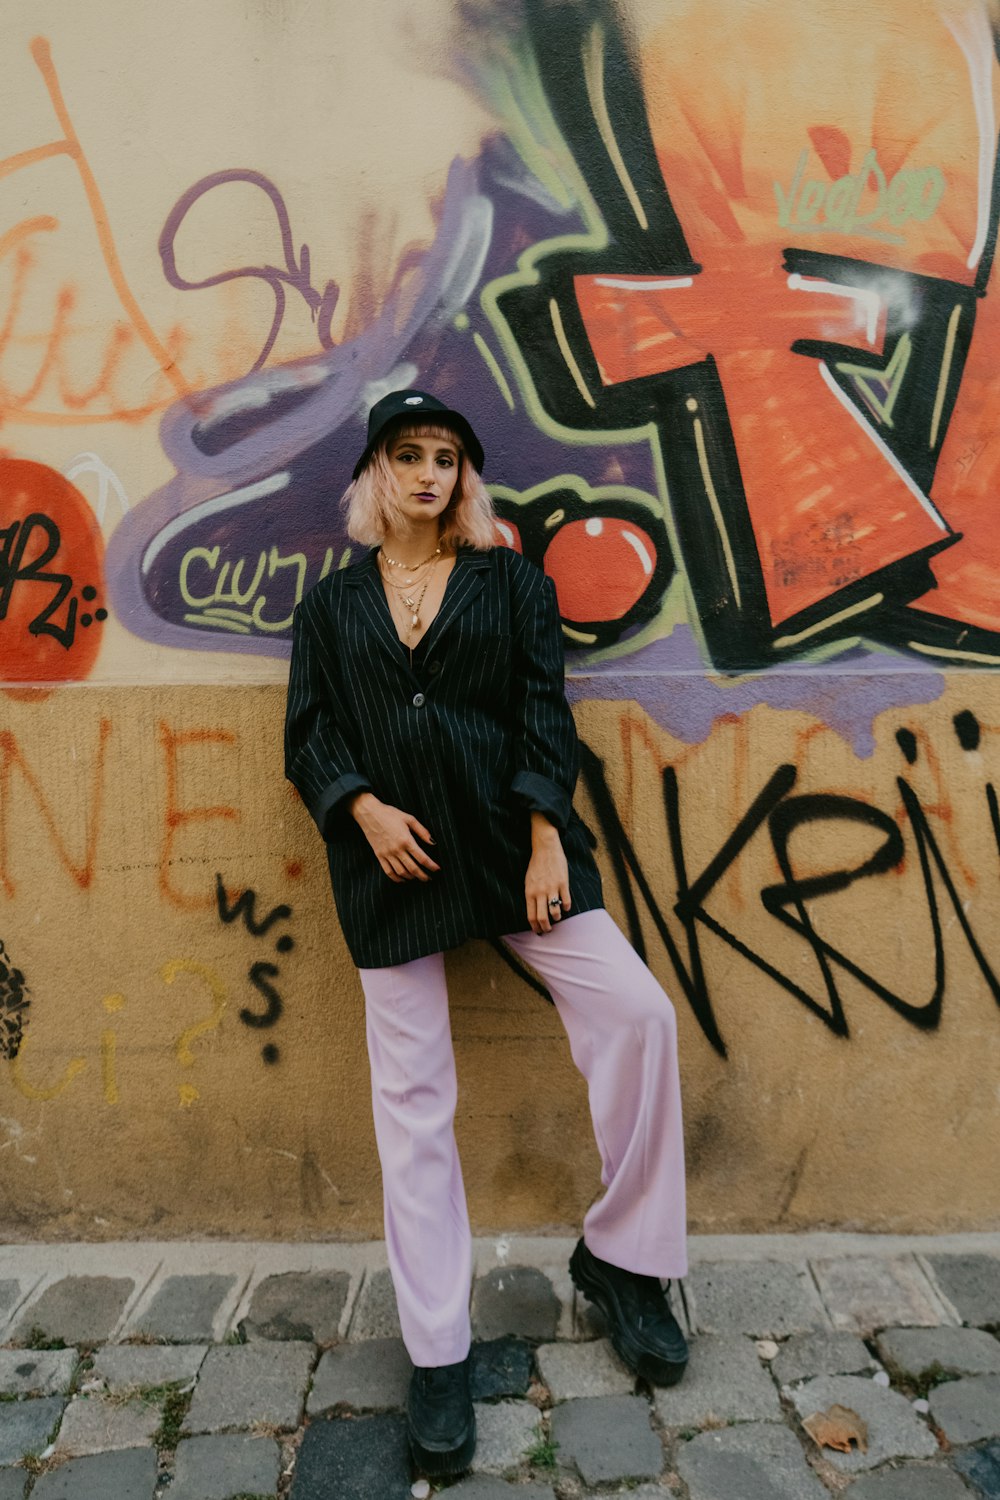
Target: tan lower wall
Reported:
point(140, 1101)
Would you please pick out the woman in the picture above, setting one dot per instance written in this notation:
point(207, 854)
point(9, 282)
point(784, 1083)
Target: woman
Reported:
point(429, 735)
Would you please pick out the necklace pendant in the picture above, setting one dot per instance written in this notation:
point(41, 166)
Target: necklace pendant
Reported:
point(415, 622)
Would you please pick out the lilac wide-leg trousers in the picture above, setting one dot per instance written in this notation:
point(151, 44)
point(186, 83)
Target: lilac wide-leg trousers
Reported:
point(623, 1038)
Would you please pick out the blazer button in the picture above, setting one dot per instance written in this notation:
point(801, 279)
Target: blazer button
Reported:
point(419, 700)
point(434, 668)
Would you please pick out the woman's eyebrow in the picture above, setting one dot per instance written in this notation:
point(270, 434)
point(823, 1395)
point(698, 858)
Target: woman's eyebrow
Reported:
point(409, 443)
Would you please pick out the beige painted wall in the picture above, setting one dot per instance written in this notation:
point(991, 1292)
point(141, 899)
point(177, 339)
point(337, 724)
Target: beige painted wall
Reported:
point(140, 764)
point(140, 1101)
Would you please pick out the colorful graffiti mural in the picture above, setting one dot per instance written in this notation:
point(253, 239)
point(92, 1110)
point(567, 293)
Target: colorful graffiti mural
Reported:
point(777, 407)
point(715, 334)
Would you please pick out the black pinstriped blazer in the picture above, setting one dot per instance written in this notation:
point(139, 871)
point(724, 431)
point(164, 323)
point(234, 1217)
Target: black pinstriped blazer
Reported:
point(473, 736)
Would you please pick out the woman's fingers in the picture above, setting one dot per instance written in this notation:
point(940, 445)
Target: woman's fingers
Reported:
point(410, 867)
point(407, 864)
point(418, 828)
point(541, 916)
point(411, 850)
point(393, 837)
point(546, 885)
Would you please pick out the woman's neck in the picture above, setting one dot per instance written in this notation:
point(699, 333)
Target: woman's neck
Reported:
point(413, 544)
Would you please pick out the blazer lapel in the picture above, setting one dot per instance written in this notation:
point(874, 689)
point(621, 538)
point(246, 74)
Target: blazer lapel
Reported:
point(466, 581)
point(373, 610)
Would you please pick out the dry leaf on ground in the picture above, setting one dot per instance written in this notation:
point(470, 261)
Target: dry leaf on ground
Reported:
point(836, 1428)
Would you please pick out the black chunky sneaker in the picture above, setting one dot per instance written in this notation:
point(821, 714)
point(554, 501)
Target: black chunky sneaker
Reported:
point(642, 1329)
point(440, 1420)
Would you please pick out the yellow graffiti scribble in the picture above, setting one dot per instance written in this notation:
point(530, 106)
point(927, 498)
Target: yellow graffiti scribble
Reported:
point(230, 606)
point(490, 360)
point(74, 1067)
point(567, 352)
point(109, 1051)
point(945, 371)
point(186, 1091)
point(593, 75)
point(109, 1071)
point(872, 602)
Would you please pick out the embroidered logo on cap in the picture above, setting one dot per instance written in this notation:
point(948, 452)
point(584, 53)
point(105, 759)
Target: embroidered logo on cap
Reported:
point(414, 401)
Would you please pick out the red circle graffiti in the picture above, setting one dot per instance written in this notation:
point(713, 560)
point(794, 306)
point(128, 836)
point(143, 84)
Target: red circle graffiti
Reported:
point(601, 567)
point(508, 535)
point(51, 556)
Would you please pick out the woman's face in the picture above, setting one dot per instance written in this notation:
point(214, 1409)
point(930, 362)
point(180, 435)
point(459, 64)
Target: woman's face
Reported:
point(426, 470)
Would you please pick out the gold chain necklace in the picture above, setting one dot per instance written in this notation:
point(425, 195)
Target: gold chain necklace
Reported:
point(405, 586)
point(410, 567)
point(411, 599)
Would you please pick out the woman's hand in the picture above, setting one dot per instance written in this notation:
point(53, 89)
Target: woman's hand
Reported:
point(547, 876)
point(391, 835)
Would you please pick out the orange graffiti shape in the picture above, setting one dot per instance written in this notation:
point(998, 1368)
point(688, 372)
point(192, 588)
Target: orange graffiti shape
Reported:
point(801, 450)
point(758, 161)
point(79, 406)
point(176, 817)
point(11, 760)
point(51, 577)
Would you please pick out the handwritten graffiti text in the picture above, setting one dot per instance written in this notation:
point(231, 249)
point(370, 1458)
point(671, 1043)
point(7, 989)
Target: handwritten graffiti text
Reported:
point(262, 974)
point(809, 205)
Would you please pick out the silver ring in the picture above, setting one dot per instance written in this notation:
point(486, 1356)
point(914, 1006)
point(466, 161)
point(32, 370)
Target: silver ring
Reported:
point(555, 901)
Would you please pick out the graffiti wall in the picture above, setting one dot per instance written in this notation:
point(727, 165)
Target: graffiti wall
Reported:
point(715, 283)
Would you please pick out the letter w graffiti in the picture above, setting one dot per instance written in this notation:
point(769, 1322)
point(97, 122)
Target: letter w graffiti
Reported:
point(797, 401)
point(245, 906)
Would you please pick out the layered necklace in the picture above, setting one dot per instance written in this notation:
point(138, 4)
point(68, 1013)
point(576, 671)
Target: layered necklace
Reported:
point(409, 591)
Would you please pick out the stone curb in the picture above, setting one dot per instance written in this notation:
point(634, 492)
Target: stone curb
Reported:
point(151, 1264)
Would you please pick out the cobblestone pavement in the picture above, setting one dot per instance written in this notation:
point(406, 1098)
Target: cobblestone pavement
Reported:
point(216, 1371)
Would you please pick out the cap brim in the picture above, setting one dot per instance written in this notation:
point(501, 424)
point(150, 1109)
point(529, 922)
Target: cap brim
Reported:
point(470, 443)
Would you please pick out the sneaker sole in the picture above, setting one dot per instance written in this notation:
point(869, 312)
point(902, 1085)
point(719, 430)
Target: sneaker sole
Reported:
point(438, 1463)
point(651, 1367)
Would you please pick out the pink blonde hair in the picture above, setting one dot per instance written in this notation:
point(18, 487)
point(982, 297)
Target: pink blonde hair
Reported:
point(371, 502)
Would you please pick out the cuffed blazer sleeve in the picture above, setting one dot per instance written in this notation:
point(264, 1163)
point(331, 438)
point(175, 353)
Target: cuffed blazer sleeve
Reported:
point(320, 761)
point(546, 752)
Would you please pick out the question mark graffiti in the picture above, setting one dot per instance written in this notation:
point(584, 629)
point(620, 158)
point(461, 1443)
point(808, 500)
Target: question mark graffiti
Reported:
point(187, 1091)
point(74, 1068)
point(109, 1051)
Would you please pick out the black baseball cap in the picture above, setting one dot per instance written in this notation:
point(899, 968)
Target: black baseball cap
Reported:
point(410, 406)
